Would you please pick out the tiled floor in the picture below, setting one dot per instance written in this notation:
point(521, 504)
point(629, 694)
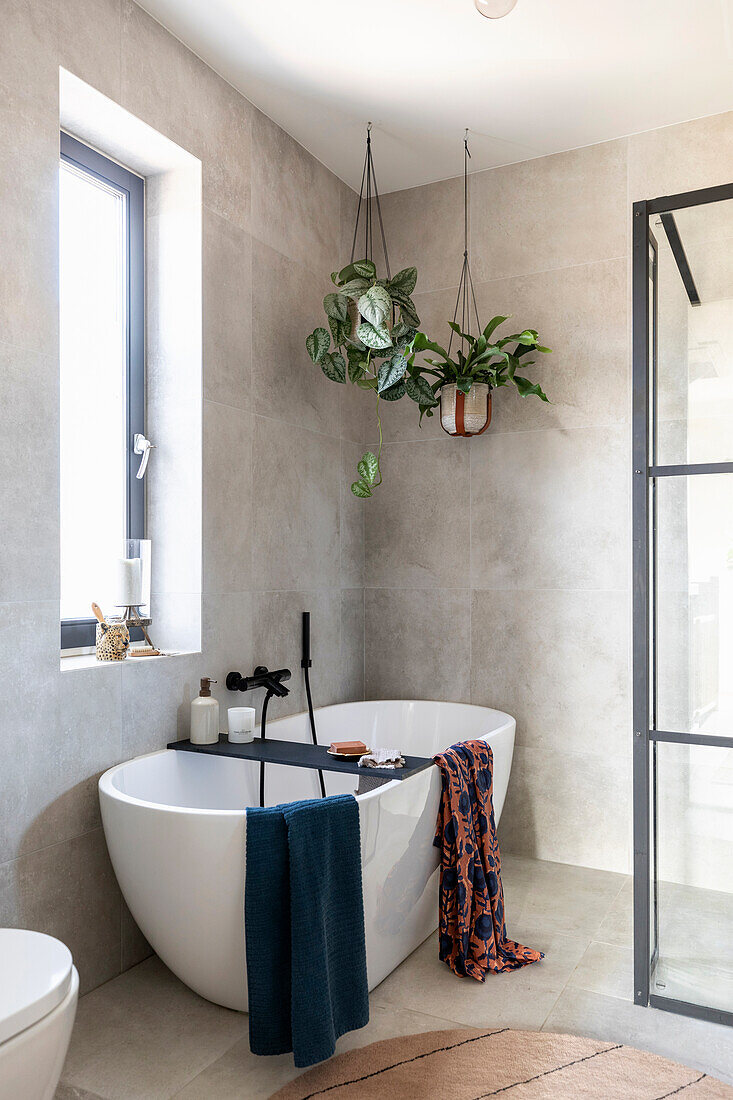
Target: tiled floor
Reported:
point(145, 1036)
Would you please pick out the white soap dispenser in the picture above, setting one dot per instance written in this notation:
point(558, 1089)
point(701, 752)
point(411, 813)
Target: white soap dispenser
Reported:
point(205, 716)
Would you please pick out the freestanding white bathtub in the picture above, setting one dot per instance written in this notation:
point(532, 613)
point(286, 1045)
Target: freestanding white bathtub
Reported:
point(175, 828)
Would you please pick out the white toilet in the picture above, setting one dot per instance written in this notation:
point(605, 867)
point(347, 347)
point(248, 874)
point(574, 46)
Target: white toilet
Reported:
point(39, 987)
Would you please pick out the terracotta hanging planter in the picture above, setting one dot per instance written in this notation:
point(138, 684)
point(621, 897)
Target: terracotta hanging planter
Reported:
point(465, 414)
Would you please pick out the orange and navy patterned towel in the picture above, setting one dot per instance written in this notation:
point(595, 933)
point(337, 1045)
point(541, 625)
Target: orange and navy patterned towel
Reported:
point(473, 937)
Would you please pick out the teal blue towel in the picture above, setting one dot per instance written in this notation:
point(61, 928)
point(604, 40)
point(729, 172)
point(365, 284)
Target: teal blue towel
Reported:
point(304, 927)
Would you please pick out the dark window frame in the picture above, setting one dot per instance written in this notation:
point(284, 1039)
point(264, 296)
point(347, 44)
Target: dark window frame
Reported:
point(77, 633)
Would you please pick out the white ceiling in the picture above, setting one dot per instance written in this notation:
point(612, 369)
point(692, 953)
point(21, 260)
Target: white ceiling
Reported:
point(552, 75)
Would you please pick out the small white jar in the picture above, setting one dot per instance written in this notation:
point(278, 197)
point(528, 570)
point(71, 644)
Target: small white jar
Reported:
point(241, 725)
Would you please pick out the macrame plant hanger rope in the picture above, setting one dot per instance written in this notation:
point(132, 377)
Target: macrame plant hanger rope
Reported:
point(466, 297)
point(368, 193)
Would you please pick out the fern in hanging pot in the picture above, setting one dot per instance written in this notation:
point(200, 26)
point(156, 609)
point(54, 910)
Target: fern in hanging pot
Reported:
point(462, 385)
point(371, 325)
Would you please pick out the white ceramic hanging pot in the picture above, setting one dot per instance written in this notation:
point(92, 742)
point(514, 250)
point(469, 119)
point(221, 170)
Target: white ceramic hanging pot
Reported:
point(465, 414)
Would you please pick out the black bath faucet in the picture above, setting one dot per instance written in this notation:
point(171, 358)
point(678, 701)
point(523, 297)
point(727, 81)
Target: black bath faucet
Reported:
point(261, 677)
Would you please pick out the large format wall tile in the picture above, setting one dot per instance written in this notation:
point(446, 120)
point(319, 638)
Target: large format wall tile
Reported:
point(227, 645)
point(28, 54)
point(569, 808)
point(227, 498)
point(287, 304)
point(581, 314)
point(295, 507)
point(351, 518)
point(174, 91)
point(68, 891)
point(29, 638)
point(29, 170)
point(90, 40)
point(352, 646)
point(550, 509)
point(29, 492)
point(296, 202)
point(227, 306)
point(558, 662)
point(681, 158)
point(156, 701)
point(424, 229)
point(418, 643)
point(276, 643)
point(554, 211)
point(417, 526)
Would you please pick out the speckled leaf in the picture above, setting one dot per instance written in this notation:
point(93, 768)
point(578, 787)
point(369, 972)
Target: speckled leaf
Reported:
point(394, 393)
point(334, 367)
point(317, 344)
point(420, 392)
point(361, 489)
point(375, 305)
point(404, 281)
point(374, 337)
point(390, 372)
point(336, 306)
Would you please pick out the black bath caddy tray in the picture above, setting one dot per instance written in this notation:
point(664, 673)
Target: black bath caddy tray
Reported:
point(295, 754)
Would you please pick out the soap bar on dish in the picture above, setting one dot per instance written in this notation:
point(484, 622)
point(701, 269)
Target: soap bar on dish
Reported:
point(350, 747)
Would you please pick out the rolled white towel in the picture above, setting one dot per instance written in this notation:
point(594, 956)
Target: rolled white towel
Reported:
point(382, 758)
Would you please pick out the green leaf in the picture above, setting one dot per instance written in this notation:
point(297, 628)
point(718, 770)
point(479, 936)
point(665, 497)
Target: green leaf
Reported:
point(317, 344)
point(354, 288)
point(373, 336)
point(463, 335)
point(545, 351)
point(527, 388)
point(368, 467)
point(419, 390)
point(361, 489)
point(366, 268)
point(361, 269)
point(408, 313)
point(493, 324)
point(464, 383)
point(394, 393)
point(340, 330)
point(367, 383)
point(336, 306)
point(390, 372)
point(334, 367)
point(404, 281)
point(527, 337)
point(357, 364)
point(375, 305)
point(421, 343)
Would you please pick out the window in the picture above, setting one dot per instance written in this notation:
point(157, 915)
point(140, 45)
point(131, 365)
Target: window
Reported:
point(102, 395)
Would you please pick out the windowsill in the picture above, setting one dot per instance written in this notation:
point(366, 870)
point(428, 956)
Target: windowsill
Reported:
point(88, 660)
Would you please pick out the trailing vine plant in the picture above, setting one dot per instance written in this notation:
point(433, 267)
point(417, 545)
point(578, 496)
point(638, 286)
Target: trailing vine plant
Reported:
point(372, 324)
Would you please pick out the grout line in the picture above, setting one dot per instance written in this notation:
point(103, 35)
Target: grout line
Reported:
point(521, 274)
point(55, 843)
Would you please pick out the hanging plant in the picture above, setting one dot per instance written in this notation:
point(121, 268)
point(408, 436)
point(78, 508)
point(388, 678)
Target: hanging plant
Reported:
point(485, 365)
point(371, 325)
point(372, 337)
point(462, 384)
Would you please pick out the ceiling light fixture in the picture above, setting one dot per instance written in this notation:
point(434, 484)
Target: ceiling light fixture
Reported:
point(494, 9)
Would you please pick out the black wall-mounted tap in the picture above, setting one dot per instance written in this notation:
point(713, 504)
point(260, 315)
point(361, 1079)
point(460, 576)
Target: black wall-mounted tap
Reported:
point(261, 677)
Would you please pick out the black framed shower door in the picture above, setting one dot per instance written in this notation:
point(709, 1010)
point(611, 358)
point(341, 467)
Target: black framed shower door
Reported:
point(682, 512)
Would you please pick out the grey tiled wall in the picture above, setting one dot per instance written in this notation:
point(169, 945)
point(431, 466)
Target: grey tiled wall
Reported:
point(279, 533)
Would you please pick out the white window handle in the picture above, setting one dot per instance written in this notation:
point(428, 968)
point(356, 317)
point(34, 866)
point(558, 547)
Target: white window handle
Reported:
point(142, 446)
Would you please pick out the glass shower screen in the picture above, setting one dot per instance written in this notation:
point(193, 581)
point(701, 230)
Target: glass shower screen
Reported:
point(683, 603)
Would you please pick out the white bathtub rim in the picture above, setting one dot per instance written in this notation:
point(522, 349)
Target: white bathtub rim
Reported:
point(107, 786)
